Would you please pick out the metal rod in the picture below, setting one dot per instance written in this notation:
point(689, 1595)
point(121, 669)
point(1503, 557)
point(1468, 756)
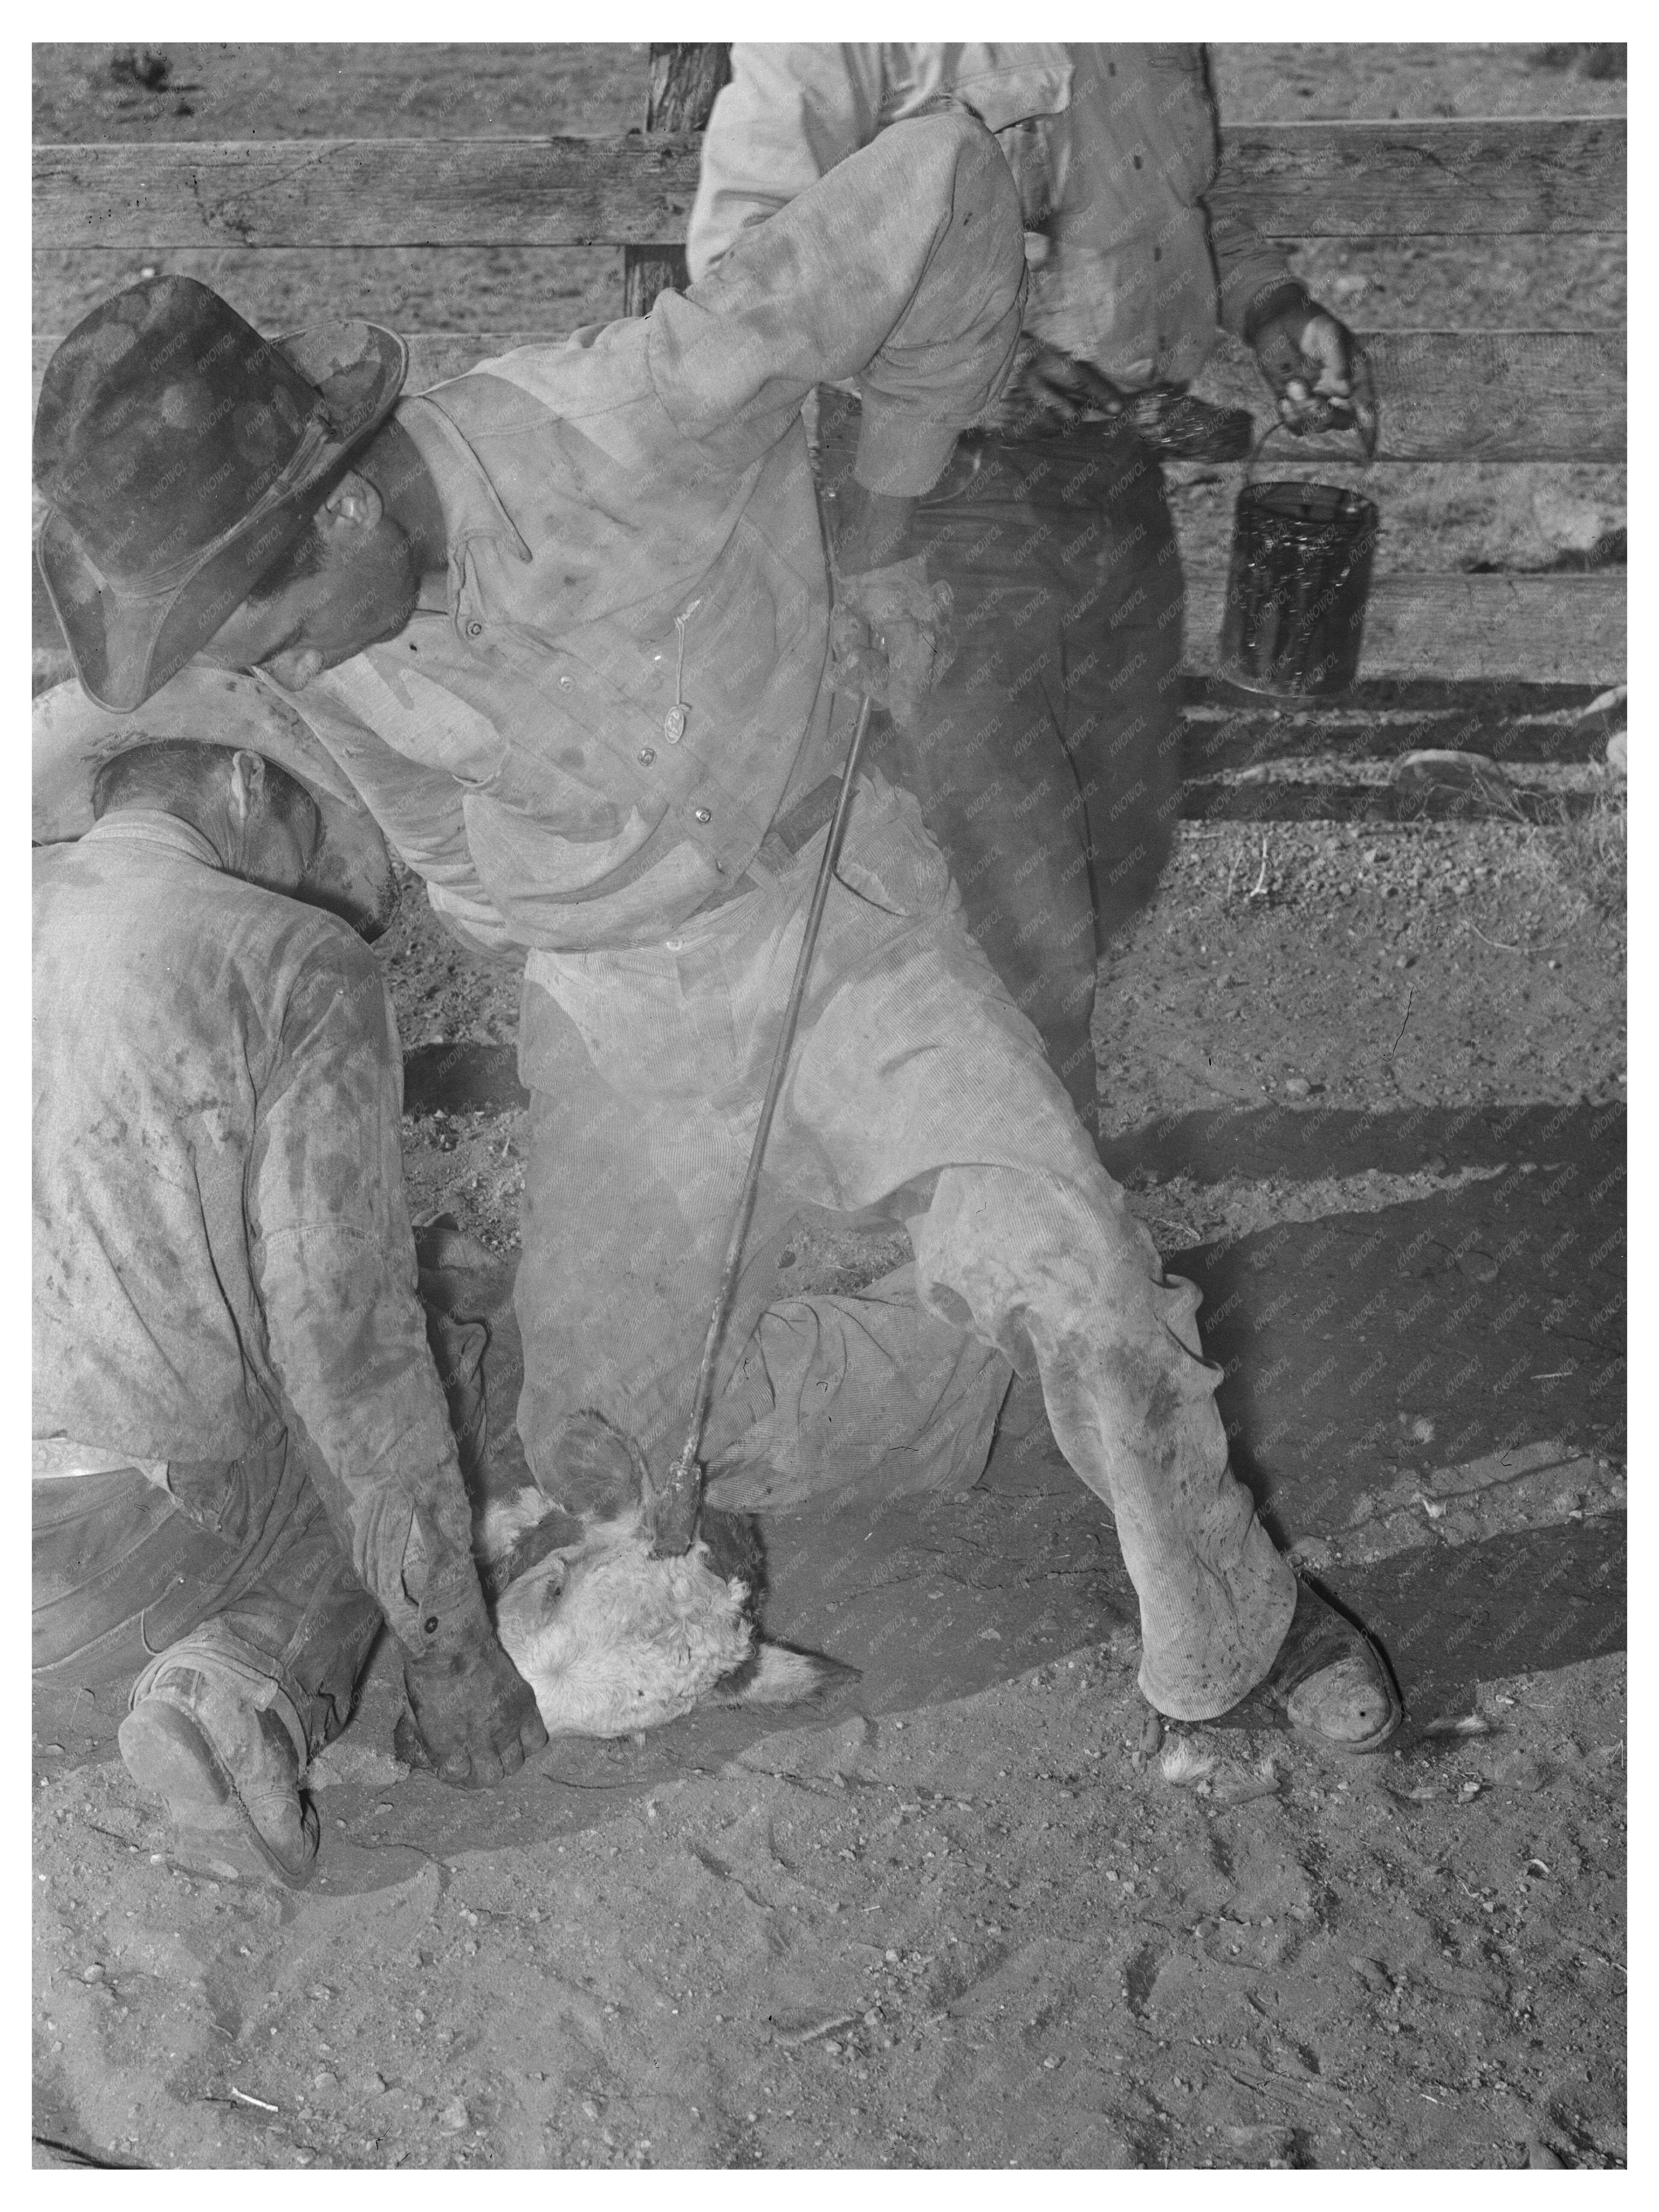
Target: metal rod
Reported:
point(679, 1497)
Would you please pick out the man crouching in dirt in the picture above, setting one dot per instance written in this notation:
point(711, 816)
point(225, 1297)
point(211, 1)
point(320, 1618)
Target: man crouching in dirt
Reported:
point(565, 622)
point(242, 1458)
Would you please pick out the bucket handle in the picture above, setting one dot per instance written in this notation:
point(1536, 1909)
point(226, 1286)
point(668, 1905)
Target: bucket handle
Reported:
point(1336, 430)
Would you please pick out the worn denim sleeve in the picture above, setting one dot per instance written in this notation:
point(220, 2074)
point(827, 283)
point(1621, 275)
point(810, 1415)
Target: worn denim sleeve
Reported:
point(790, 113)
point(421, 809)
point(334, 1266)
point(1248, 270)
point(903, 267)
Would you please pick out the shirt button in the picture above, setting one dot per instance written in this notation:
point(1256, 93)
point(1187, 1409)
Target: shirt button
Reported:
point(474, 629)
point(647, 754)
point(700, 814)
point(565, 682)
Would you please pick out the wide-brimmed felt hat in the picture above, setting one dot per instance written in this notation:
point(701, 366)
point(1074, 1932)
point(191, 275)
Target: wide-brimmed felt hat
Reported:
point(351, 873)
point(182, 454)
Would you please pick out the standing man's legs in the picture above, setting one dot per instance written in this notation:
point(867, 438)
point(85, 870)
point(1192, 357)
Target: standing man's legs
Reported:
point(1117, 575)
point(1046, 759)
point(914, 1075)
point(634, 1165)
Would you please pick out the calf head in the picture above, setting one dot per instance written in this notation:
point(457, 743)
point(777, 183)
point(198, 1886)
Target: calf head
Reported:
point(612, 1640)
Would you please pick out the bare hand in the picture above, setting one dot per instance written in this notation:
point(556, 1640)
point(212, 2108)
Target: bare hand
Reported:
point(890, 637)
point(1320, 374)
point(1052, 384)
point(474, 1712)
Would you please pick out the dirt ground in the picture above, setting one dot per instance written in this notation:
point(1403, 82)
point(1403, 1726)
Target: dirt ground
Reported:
point(963, 1918)
point(1365, 1084)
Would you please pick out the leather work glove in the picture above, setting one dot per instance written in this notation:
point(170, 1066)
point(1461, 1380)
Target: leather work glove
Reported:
point(473, 1711)
point(890, 635)
point(1318, 368)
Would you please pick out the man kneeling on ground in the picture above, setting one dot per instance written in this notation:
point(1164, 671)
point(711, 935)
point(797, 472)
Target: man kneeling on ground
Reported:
point(242, 1458)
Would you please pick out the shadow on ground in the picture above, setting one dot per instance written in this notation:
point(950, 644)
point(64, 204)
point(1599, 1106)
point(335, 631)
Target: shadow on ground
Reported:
point(1425, 1334)
point(1355, 1347)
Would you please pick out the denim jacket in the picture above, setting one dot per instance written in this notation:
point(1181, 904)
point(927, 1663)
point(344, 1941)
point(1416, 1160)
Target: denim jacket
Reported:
point(221, 1244)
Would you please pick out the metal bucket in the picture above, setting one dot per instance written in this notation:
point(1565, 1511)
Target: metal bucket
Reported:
point(1297, 587)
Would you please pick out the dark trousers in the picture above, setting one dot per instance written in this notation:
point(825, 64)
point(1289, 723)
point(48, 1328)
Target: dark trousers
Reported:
point(243, 1555)
point(1047, 760)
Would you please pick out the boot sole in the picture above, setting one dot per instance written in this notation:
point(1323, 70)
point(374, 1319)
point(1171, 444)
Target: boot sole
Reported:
point(1251, 1715)
point(167, 1754)
point(1267, 1705)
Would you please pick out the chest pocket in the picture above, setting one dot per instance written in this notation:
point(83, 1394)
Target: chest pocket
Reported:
point(495, 731)
point(421, 717)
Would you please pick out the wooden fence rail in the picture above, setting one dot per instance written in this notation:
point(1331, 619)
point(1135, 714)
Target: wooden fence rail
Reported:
point(1290, 179)
point(1498, 661)
point(1451, 395)
point(1560, 630)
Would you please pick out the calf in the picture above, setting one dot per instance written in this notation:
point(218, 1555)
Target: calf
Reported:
point(612, 1640)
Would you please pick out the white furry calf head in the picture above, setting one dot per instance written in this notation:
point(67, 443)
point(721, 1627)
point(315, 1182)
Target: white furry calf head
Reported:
point(612, 1640)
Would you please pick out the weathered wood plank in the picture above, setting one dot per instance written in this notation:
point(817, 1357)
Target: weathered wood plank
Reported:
point(1476, 395)
point(1213, 739)
point(1446, 395)
point(684, 81)
point(1512, 631)
point(1506, 175)
point(1290, 179)
point(376, 191)
point(1423, 694)
point(1549, 630)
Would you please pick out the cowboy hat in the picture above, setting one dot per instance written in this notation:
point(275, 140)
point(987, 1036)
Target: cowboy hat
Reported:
point(181, 455)
point(351, 873)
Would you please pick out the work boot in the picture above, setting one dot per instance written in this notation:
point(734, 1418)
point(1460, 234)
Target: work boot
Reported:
point(223, 1749)
point(1329, 1683)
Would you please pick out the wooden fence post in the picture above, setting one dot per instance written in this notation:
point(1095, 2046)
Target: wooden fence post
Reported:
point(684, 83)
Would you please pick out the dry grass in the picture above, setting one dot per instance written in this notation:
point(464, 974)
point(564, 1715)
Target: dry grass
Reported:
point(1579, 861)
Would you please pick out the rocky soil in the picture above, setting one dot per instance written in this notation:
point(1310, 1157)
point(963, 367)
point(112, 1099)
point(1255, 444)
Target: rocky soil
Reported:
point(977, 1912)
point(991, 1932)
point(970, 1924)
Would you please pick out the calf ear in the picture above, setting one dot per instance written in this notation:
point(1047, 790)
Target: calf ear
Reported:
point(596, 1471)
point(554, 1532)
point(735, 1551)
point(773, 1674)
